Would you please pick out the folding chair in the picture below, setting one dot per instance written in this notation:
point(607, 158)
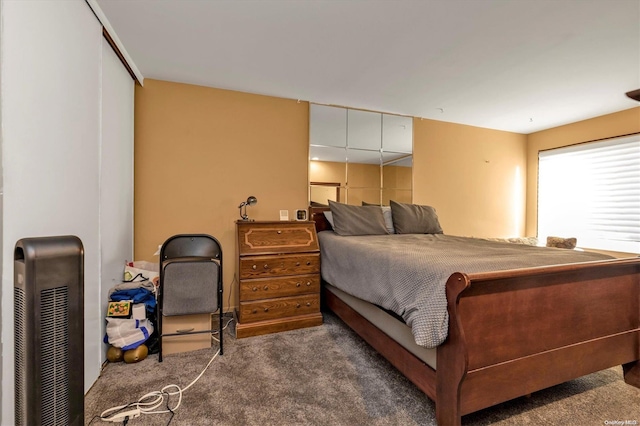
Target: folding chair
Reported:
point(190, 281)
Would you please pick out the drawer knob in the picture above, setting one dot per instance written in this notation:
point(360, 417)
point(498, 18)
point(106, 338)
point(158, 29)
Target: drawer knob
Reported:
point(279, 232)
point(254, 267)
point(266, 309)
point(308, 283)
point(266, 287)
point(266, 266)
point(297, 305)
point(308, 303)
point(255, 311)
point(255, 289)
point(297, 284)
point(297, 263)
point(308, 263)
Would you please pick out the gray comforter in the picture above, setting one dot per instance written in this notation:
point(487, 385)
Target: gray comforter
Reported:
point(407, 273)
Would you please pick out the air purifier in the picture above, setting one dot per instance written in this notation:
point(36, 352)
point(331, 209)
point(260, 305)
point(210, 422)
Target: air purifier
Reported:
point(49, 331)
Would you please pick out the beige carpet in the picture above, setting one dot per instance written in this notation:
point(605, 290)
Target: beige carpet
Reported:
point(328, 376)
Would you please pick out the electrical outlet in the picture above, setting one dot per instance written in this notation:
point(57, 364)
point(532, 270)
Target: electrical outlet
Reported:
point(284, 214)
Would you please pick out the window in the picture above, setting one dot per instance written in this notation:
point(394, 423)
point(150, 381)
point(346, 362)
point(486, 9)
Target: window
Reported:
point(591, 191)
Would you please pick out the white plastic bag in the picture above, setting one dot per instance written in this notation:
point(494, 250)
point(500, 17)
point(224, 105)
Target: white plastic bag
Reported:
point(128, 333)
point(141, 270)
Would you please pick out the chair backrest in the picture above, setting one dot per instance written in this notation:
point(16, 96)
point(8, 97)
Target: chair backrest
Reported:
point(190, 286)
point(190, 275)
point(191, 245)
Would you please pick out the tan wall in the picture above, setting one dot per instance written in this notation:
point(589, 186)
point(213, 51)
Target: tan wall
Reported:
point(199, 152)
point(328, 172)
point(364, 176)
point(606, 126)
point(397, 184)
point(364, 179)
point(396, 177)
point(473, 177)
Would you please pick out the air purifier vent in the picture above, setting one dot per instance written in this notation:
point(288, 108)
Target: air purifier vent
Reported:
point(19, 314)
point(55, 359)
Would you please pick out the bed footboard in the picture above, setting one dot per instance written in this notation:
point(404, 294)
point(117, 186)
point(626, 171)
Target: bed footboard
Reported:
point(631, 373)
point(515, 332)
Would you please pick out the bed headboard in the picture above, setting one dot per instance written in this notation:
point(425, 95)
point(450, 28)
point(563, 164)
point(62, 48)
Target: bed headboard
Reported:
point(316, 214)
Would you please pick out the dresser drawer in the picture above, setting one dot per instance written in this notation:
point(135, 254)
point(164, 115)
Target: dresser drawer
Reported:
point(272, 266)
point(278, 308)
point(266, 288)
point(278, 237)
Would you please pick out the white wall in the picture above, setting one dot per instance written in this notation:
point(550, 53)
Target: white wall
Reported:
point(116, 176)
point(1, 207)
point(59, 172)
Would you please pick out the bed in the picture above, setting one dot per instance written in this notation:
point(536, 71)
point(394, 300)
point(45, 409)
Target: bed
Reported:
point(508, 332)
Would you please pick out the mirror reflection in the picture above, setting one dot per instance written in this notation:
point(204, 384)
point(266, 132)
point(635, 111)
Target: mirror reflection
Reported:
point(359, 156)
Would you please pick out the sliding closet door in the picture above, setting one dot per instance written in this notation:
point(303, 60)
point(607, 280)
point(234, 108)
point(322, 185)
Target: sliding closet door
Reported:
point(67, 150)
point(51, 61)
point(116, 177)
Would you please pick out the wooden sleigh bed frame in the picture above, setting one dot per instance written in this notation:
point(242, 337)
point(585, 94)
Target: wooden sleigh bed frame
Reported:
point(515, 332)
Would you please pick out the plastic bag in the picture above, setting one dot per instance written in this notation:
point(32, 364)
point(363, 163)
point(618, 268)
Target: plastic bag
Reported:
point(128, 333)
point(141, 270)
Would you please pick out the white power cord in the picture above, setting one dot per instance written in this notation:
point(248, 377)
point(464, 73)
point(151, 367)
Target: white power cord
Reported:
point(223, 328)
point(148, 403)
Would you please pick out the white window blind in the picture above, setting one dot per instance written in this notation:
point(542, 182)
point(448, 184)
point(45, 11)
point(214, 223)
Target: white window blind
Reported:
point(591, 191)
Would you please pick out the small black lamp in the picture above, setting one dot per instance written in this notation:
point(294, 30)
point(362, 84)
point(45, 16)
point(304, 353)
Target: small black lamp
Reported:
point(251, 201)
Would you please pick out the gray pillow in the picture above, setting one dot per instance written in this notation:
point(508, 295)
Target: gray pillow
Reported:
point(386, 212)
point(329, 216)
point(388, 219)
point(414, 219)
point(357, 220)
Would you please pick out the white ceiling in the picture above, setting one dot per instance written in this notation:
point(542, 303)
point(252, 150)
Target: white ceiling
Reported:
point(516, 65)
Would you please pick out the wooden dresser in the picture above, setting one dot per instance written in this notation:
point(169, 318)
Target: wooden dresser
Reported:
point(279, 277)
